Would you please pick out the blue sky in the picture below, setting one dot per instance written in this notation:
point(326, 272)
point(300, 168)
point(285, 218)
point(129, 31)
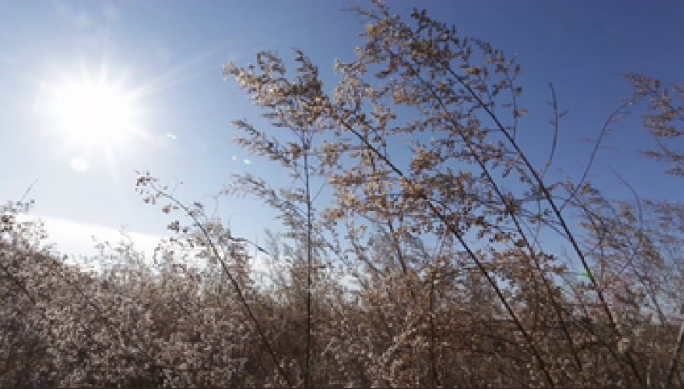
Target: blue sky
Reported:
point(168, 55)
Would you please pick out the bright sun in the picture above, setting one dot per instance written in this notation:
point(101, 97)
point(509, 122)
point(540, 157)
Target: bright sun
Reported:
point(93, 113)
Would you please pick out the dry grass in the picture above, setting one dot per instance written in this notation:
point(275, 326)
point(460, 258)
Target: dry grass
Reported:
point(484, 305)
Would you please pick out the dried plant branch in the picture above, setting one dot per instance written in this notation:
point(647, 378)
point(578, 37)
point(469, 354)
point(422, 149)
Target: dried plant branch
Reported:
point(231, 278)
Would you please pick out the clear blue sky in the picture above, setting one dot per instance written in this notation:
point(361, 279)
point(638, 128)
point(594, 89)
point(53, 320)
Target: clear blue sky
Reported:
point(169, 54)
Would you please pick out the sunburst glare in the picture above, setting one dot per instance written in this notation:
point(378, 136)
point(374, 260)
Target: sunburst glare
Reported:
point(93, 113)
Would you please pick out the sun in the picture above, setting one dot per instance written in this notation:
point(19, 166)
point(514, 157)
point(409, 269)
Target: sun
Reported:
point(93, 113)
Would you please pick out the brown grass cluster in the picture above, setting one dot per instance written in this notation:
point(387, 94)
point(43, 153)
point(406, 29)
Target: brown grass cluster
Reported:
point(426, 273)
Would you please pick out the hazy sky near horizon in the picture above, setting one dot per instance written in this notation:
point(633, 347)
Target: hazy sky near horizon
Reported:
point(165, 58)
